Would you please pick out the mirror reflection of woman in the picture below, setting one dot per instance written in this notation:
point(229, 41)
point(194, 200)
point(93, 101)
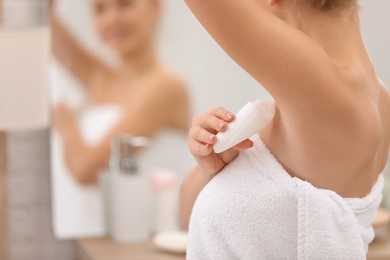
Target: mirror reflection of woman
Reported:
point(151, 96)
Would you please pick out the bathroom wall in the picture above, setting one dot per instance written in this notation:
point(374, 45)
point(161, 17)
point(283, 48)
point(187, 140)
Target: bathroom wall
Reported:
point(29, 212)
point(375, 20)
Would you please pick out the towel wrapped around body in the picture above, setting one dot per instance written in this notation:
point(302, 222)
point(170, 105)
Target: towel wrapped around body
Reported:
point(253, 209)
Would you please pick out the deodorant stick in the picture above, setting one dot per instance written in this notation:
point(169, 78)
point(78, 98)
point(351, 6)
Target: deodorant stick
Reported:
point(252, 118)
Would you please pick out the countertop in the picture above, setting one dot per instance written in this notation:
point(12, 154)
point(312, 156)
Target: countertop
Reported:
point(105, 249)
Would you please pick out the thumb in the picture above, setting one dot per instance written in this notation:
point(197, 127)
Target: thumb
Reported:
point(244, 145)
point(232, 153)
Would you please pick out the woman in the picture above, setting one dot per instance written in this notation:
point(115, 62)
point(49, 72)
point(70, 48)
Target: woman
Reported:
point(151, 96)
point(285, 197)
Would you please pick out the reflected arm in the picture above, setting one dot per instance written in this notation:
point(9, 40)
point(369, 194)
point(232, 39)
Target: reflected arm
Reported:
point(85, 161)
point(158, 106)
point(87, 68)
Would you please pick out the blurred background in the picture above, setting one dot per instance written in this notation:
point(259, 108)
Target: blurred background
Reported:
point(50, 210)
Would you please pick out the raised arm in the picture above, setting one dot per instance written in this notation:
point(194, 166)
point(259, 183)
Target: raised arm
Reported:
point(87, 68)
point(291, 66)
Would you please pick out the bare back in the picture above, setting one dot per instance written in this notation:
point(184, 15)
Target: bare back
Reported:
point(334, 159)
point(332, 122)
point(384, 112)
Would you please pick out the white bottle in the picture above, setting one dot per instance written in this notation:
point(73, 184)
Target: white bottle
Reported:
point(248, 121)
point(129, 193)
point(130, 215)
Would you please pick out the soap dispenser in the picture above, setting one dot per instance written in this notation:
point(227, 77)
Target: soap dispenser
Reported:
point(129, 192)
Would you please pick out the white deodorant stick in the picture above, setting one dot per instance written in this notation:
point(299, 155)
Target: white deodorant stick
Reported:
point(253, 117)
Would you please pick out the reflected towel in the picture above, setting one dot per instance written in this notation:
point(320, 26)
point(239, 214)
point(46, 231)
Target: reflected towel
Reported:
point(78, 209)
point(254, 209)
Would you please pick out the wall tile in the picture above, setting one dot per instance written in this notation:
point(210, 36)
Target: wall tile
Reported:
point(29, 190)
point(29, 214)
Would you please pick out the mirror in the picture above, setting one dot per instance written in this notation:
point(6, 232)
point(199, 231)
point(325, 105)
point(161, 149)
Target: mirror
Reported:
point(102, 65)
point(206, 75)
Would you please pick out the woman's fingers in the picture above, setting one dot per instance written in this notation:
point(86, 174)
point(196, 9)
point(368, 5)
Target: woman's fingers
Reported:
point(202, 135)
point(209, 122)
point(215, 120)
point(221, 113)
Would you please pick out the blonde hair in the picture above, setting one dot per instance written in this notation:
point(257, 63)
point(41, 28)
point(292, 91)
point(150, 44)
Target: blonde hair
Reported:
point(332, 4)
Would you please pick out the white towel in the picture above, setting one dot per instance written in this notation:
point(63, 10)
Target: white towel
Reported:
point(254, 209)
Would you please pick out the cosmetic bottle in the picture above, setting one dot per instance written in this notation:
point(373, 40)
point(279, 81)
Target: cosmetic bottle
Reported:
point(129, 192)
point(164, 185)
point(252, 118)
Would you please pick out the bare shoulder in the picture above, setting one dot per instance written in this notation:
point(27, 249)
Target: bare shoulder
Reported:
point(166, 98)
point(164, 90)
point(168, 82)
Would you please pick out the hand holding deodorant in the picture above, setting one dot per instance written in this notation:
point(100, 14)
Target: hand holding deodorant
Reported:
point(249, 120)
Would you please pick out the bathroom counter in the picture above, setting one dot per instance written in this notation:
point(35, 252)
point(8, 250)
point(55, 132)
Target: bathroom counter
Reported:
point(105, 249)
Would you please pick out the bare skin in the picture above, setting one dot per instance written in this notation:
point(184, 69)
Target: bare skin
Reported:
point(332, 122)
point(151, 96)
